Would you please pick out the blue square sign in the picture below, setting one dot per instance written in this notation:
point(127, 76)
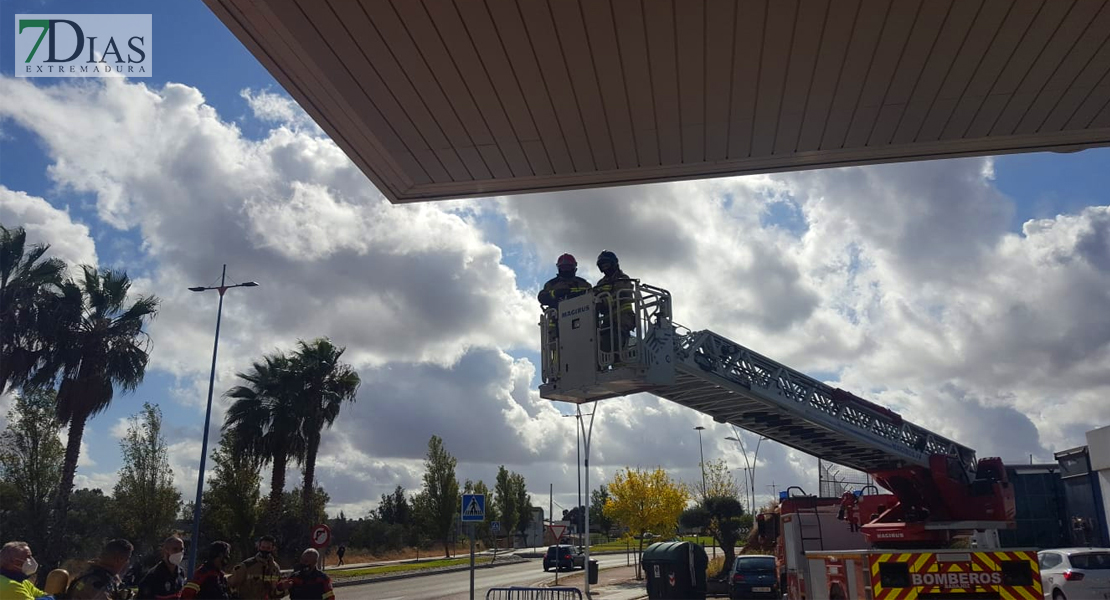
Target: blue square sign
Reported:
point(473, 507)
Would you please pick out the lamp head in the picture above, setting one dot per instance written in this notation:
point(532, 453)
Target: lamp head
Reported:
point(197, 289)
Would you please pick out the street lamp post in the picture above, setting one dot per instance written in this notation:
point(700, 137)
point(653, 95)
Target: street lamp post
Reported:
point(578, 434)
point(222, 288)
point(701, 452)
point(587, 434)
point(750, 471)
point(578, 448)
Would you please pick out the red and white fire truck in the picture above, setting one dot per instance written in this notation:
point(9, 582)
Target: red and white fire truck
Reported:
point(931, 534)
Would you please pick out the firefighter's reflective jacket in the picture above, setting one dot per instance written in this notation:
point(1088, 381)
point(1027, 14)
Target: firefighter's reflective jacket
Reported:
point(257, 577)
point(621, 289)
point(561, 288)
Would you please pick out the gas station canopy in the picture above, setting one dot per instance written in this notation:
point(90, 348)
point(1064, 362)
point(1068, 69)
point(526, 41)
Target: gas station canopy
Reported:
point(437, 99)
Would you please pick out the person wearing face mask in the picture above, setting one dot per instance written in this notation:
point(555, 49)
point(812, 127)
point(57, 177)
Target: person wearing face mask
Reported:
point(620, 288)
point(165, 579)
point(258, 576)
point(101, 581)
point(209, 582)
point(308, 582)
point(17, 567)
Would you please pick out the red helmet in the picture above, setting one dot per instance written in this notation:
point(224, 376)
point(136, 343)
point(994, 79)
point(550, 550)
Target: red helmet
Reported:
point(566, 261)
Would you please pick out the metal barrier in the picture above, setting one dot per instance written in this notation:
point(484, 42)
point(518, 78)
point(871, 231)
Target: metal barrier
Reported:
point(543, 593)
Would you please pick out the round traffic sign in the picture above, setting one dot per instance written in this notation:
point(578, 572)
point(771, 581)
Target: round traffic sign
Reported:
point(321, 535)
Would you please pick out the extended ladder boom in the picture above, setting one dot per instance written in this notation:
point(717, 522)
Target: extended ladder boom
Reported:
point(942, 491)
point(729, 382)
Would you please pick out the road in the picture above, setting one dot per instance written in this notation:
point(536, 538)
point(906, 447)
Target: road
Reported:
point(456, 586)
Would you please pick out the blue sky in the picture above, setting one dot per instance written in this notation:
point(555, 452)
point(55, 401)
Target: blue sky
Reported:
point(193, 48)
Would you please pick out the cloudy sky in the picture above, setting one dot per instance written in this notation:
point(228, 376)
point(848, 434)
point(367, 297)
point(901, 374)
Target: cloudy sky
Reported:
point(971, 295)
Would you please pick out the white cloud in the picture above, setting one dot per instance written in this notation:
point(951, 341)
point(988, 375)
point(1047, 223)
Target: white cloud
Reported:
point(46, 224)
point(279, 109)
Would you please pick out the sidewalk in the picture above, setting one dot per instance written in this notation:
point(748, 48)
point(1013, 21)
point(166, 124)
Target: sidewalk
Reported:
point(616, 583)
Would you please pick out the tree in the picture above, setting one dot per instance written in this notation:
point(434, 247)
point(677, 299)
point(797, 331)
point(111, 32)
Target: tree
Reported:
point(30, 287)
point(719, 481)
point(523, 503)
point(645, 501)
point(598, 498)
point(265, 422)
point(232, 501)
point(145, 497)
point(721, 516)
point(394, 508)
point(91, 522)
point(505, 502)
point(31, 458)
point(440, 496)
point(102, 346)
point(289, 528)
point(323, 384)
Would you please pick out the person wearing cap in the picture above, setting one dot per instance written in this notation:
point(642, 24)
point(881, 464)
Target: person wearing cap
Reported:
point(620, 289)
point(564, 285)
point(17, 569)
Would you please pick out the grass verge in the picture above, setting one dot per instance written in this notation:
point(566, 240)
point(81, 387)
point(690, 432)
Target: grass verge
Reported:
point(403, 567)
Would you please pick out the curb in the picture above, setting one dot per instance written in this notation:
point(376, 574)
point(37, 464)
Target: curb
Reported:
point(423, 573)
point(542, 554)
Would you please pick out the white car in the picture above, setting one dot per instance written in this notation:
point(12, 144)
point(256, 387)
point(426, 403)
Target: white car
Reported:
point(1076, 573)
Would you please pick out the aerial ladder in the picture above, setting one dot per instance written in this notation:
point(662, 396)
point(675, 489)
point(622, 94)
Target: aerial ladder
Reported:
point(940, 494)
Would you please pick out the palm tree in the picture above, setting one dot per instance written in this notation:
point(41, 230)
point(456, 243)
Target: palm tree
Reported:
point(324, 384)
point(265, 421)
point(29, 287)
point(102, 345)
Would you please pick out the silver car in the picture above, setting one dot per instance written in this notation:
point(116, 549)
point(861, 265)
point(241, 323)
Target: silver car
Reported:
point(1076, 573)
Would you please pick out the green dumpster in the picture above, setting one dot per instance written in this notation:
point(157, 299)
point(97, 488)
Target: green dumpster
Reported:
point(675, 570)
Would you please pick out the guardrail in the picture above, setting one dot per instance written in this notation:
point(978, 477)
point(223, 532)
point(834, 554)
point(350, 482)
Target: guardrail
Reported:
point(543, 593)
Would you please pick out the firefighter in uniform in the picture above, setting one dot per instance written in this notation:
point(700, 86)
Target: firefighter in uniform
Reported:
point(308, 582)
point(620, 289)
point(165, 579)
point(209, 582)
point(257, 577)
point(563, 286)
point(101, 581)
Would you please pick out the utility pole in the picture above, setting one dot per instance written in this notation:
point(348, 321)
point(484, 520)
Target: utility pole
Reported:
point(551, 520)
point(194, 541)
point(701, 452)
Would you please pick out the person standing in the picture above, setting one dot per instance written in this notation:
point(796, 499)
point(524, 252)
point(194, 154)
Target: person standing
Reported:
point(566, 284)
point(209, 582)
point(308, 582)
point(340, 552)
point(166, 579)
point(258, 576)
point(17, 567)
point(102, 580)
point(620, 290)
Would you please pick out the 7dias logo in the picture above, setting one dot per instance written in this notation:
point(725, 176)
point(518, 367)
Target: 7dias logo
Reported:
point(83, 46)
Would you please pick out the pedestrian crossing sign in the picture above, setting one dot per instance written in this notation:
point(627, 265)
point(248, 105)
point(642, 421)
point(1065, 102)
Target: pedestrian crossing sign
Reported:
point(473, 507)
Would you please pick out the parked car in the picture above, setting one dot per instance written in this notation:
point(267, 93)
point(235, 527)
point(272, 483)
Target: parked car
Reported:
point(564, 556)
point(1075, 573)
point(753, 576)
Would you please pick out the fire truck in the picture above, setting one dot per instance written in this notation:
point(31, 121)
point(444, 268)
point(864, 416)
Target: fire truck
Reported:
point(931, 532)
